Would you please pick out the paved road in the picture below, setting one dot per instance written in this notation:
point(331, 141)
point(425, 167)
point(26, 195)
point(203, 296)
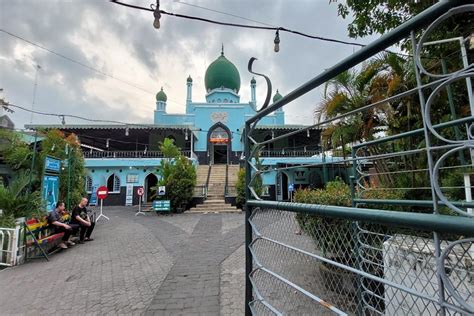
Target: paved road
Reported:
point(186, 264)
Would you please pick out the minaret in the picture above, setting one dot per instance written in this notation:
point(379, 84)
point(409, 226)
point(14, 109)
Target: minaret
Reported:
point(253, 93)
point(189, 91)
point(161, 100)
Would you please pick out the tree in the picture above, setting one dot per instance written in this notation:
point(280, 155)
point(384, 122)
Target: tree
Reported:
point(381, 16)
point(350, 91)
point(16, 201)
point(176, 173)
point(68, 150)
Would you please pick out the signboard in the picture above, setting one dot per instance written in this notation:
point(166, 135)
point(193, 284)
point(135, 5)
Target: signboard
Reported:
point(140, 191)
point(291, 187)
point(52, 165)
point(161, 190)
point(129, 195)
point(102, 192)
point(162, 205)
point(93, 200)
point(50, 191)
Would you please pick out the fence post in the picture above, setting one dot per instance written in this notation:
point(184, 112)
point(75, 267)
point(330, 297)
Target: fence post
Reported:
point(248, 228)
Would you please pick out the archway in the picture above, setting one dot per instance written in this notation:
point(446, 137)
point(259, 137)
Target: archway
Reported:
point(219, 144)
point(151, 181)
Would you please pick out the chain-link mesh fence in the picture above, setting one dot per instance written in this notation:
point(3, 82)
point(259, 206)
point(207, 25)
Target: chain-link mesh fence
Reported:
point(384, 219)
point(313, 265)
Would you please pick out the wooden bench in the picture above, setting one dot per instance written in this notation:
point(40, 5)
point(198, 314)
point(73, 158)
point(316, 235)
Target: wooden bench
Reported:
point(41, 239)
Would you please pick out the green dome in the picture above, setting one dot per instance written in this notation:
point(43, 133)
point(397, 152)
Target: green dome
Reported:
point(161, 96)
point(189, 79)
point(253, 81)
point(277, 97)
point(222, 73)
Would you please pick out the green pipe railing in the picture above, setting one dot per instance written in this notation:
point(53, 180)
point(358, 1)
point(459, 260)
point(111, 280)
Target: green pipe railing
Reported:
point(427, 203)
point(420, 221)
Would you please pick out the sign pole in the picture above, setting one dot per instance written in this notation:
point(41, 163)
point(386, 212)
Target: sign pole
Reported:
point(140, 193)
point(101, 213)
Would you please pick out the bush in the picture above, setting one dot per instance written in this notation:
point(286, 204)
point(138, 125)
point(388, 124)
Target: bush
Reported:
point(178, 175)
point(180, 183)
point(15, 201)
point(240, 187)
point(332, 236)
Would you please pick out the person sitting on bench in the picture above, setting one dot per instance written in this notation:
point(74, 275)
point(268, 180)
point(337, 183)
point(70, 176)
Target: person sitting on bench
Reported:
point(80, 217)
point(56, 221)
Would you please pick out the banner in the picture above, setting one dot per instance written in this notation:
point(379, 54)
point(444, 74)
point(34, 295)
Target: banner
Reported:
point(50, 191)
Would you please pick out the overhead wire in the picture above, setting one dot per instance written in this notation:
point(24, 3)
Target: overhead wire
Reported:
point(265, 27)
point(80, 63)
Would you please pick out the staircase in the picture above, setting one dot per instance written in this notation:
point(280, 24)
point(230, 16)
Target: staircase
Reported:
point(215, 201)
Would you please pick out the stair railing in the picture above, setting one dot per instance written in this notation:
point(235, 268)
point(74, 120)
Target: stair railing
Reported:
point(226, 179)
point(207, 181)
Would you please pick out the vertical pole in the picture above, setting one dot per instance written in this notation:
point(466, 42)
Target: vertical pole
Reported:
point(248, 228)
point(457, 132)
point(139, 203)
point(467, 190)
point(436, 239)
point(69, 167)
point(33, 161)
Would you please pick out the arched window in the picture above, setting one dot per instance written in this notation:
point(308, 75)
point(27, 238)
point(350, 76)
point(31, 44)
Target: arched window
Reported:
point(113, 184)
point(88, 184)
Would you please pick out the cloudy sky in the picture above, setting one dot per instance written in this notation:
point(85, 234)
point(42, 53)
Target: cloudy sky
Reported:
point(139, 59)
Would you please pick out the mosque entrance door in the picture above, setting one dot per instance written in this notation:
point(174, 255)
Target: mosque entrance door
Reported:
point(220, 154)
point(219, 144)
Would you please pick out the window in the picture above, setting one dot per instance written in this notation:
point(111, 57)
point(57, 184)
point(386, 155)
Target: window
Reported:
point(88, 184)
point(113, 184)
point(132, 178)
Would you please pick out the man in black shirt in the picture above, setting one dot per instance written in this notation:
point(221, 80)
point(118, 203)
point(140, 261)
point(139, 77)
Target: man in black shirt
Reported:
point(79, 216)
point(55, 219)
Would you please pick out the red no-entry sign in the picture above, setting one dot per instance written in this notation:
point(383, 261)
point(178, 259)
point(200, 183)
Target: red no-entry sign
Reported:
point(102, 192)
point(140, 191)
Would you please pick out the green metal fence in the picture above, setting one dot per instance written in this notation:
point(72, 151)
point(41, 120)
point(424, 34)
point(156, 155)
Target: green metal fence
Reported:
point(405, 245)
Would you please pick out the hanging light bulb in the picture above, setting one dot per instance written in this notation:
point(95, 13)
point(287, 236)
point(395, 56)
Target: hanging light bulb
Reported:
point(107, 142)
point(157, 15)
point(471, 41)
point(63, 120)
point(146, 148)
point(126, 131)
point(277, 42)
point(273, 134)
point(186, 137)
point(307, 133)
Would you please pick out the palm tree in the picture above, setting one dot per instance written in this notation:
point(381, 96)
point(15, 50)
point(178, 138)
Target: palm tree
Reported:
point(352, 90)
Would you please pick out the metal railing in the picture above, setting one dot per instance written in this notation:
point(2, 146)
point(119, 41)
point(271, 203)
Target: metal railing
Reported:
point(289, 153)
point(11, 245)
point(200, 191)
point(230, 191)
point(411, 249)
point(128, 154)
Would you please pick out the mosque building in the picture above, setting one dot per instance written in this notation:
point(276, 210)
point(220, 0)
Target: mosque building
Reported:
point(210, 133)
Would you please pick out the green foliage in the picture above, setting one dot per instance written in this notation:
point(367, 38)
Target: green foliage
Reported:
point(180, 183)
point(67, 149)
point(16, 153)
point(15, 201)
point(169, 149)
point(331, 236)
point(176, 173)
point(240, 185)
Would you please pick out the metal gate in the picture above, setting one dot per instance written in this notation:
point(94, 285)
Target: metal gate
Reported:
point(383, 254)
